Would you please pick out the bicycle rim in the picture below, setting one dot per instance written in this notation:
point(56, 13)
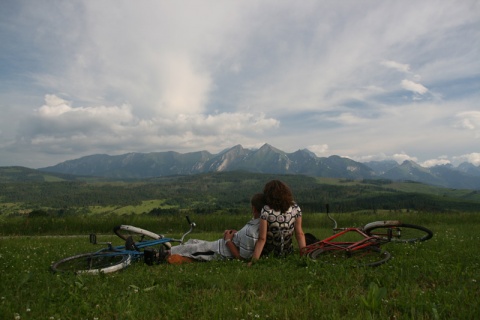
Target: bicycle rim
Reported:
point(370, 256)
point(138, 234)
point(125, 231)
point(93, 263)
point(402, 233)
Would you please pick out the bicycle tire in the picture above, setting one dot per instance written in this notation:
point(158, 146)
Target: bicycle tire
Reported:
point(370, 256)
point(125, 231)
point(138, 234)
point(400, 233)
point(93, 263)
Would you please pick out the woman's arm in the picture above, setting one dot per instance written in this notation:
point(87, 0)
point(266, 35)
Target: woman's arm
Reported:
point(299, 235)
point(228, 236)
point(262, 238)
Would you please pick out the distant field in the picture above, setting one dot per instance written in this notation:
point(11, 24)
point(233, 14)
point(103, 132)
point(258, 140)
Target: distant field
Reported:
point(438, 279)
point(146, 206)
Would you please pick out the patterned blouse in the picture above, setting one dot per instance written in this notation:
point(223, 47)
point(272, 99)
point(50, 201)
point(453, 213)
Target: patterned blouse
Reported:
point(280, 230)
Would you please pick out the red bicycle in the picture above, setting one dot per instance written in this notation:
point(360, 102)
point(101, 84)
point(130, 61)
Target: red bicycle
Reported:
point(360, 246)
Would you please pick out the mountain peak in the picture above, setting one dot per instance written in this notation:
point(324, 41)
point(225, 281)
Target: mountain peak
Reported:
point(267, 159)
point(411, 164)
point(266, 146)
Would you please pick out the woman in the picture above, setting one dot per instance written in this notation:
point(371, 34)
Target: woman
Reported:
point(280, 218)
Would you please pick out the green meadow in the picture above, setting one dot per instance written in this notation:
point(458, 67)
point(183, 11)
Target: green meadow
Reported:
point(437, 279)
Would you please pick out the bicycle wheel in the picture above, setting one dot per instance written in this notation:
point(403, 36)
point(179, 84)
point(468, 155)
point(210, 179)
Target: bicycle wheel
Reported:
point(138, 234)
point(370, 256)
point(93, 263)
point(401, 233)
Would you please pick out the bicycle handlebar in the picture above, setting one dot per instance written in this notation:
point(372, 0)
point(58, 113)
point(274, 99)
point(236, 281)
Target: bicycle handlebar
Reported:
point(192, 226)
point(327, 207)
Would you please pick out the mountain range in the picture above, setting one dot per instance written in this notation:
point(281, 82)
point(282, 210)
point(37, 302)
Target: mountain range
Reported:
point(266, 159)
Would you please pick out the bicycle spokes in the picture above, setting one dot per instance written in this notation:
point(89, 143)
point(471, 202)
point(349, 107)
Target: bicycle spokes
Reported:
point(403, 233)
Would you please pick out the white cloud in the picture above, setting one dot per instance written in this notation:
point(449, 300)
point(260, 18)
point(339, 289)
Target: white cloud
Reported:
point(401, 157)
point(347, 118)
point(414, 87)
point(471, 157)
point(61, 128)
point(468, 120)
point(398, 157)
point(396, 65)
point(320, 150)
point(434, 162)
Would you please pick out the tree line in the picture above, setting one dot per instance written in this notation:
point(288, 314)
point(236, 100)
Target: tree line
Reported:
point(229, 191)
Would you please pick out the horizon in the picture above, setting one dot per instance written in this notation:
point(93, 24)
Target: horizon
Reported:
point(251, 149)
point(367, 80)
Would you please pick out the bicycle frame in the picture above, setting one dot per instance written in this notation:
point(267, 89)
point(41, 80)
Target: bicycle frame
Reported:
point(366, 241)
point(330, 242)
point(114, 258)
point(137, 254)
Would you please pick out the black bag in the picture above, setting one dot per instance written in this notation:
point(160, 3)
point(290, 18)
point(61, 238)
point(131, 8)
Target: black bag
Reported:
point(310, 239)
point(149, 256)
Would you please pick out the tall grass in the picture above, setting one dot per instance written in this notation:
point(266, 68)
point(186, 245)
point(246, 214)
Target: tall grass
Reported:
point(438, 279)
point(82, 224)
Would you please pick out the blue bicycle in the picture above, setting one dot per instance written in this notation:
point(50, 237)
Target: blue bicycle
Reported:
point(115, 258)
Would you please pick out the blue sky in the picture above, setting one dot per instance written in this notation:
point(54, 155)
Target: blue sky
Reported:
point(368, 80)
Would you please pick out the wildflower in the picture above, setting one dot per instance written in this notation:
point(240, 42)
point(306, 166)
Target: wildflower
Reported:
point(16, 316)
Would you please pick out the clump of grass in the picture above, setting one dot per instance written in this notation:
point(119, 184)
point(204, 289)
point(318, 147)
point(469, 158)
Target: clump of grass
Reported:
point(373, 299)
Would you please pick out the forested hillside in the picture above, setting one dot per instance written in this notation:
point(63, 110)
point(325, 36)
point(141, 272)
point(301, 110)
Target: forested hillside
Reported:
point(228, 192)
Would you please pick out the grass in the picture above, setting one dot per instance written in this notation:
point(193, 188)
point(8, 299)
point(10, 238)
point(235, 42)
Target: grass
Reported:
point(438, 279)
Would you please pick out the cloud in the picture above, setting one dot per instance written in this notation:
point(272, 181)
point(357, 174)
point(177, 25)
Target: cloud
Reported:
point(435, 162)
point(469, 120)
point(347, 118)
point(319, 149)
point(396, 65)
point(398, 157)
point(414, 87)
point(61, 128)
point(471, 157)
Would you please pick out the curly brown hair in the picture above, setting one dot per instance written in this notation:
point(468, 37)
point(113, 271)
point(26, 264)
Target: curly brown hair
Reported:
point(278, 195)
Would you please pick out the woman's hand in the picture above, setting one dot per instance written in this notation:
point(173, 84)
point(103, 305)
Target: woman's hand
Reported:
point(228, 234)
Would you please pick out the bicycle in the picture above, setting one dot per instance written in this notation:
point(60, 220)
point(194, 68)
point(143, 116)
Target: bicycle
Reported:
point(366, 251)
point(115, 258)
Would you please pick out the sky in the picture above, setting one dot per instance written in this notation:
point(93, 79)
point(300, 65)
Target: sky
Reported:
point(368, 80)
